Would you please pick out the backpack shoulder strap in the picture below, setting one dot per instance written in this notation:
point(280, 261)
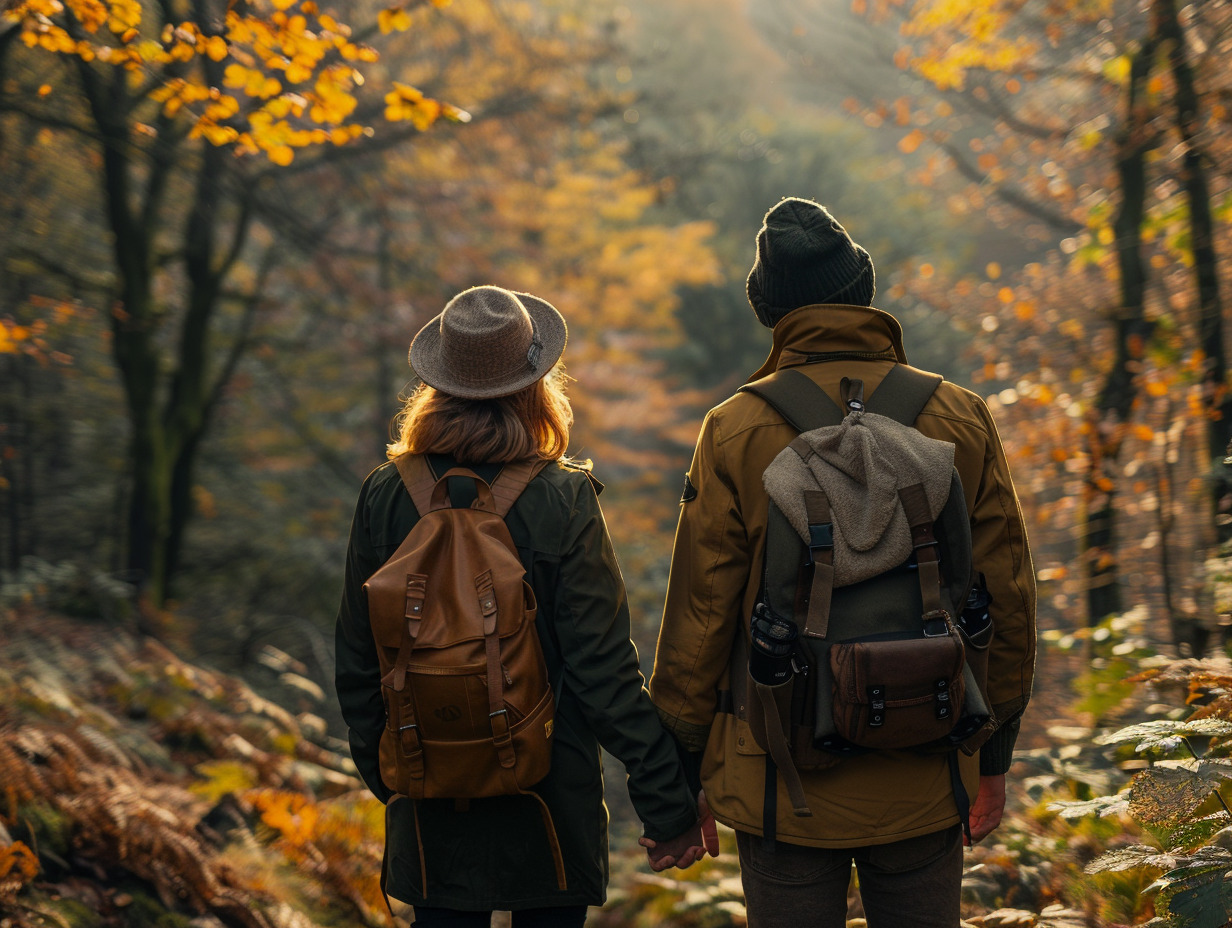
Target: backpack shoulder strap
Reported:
point(904, 393)
point(418, 479)
point(512, 480)
point(508, 485)
point(797, 399)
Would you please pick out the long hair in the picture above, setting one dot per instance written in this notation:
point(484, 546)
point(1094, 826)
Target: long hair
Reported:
point(535, 421)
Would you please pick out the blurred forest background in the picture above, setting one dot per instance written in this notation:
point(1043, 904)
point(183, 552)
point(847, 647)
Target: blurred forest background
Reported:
point(221, 224)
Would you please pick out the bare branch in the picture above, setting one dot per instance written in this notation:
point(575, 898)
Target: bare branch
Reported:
point(1008, 195)
point(54, 268)
point(252, 302)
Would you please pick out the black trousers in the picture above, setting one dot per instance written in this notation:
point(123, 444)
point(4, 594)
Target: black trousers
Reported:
point(565, 916)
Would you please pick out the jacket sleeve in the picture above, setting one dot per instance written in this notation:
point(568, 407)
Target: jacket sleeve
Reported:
point(711, 564)
point(601, 670)
point(1000, 552)
point(357, 675)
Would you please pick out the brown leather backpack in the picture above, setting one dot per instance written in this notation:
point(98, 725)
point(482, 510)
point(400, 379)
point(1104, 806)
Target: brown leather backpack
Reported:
point(469, 707)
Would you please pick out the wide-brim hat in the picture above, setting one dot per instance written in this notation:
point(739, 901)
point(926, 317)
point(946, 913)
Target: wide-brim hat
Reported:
point(488, 342)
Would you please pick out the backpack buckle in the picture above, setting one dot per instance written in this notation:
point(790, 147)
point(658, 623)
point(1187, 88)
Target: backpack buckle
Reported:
point(821, 536)
point(936, 623)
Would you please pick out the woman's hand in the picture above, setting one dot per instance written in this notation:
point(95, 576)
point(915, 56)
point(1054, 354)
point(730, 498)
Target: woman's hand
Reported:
point(685, 849)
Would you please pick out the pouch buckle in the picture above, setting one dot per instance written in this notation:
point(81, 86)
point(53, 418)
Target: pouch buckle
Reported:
point(937, 623)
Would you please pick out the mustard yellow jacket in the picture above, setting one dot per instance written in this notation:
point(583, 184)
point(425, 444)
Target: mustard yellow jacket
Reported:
point(878, 797)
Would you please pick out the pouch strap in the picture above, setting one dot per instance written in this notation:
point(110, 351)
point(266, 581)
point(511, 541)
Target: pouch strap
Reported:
point(821, 554)
point(416, 588)
point(915, 506)
point(498, 716)
point(770, 806)
point(776, 741)
point(401, 719)
point(549, 826)
point(961, 800)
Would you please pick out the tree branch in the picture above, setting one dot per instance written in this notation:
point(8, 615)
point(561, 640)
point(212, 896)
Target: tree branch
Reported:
point(1012, 197)
point(252, 302)
point(335, 463)
point(63, 271)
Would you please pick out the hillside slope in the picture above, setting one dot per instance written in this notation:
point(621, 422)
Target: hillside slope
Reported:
point(138, 790)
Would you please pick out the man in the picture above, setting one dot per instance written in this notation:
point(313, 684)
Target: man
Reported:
point(893, 813)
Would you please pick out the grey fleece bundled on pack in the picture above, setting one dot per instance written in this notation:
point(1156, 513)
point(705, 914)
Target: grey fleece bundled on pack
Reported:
point(860, 465)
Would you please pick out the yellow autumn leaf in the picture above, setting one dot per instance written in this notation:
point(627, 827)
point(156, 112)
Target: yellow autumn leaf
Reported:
point(216, 48)
point(993, 270)
point(297, 72)
point(1117, 70)
point(395, 19)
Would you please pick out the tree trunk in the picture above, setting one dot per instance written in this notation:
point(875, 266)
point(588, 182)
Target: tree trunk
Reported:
point(167, 420)
point(1201, 229)
point(1133, 331)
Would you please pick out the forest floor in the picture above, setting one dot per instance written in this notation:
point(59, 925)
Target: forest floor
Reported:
point(140, 790)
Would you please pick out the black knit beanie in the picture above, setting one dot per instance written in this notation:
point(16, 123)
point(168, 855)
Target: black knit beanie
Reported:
point(804, 256)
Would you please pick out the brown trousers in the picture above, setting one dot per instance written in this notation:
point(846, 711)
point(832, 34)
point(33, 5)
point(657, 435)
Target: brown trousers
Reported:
point(915, 883)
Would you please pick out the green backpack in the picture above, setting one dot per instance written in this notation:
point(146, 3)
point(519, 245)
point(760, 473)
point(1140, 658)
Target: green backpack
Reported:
point(868, 633)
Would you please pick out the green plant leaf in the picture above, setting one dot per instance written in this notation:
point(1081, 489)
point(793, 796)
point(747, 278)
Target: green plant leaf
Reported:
point(1103, 806)
point(1130, 858)
point(1200, 892)
point(1167, 794)
point(1165, 734)
point(1190, 835)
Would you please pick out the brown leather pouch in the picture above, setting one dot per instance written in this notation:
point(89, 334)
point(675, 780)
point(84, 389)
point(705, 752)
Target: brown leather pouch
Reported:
point(898, 692)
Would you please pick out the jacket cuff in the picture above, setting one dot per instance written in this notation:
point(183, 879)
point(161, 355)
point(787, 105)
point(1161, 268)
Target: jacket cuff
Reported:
point(998, 752)
point(666, 831)
point(692, 737)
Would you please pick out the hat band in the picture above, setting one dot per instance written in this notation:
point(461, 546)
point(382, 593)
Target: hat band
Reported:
point(536, 345)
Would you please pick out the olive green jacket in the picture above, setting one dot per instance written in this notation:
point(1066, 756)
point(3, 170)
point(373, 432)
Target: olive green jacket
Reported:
point(495, 854)
point(878, 797)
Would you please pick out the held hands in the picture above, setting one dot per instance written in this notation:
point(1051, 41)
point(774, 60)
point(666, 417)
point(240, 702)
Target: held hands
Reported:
point(685, 849)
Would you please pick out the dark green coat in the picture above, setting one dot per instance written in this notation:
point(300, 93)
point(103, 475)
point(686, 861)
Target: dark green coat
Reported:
point(495, 855)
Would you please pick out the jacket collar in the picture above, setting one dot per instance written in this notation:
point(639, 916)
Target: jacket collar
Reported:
point(833, 329)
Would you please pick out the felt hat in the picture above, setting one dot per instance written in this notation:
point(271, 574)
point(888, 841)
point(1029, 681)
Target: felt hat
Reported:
point(488, 342)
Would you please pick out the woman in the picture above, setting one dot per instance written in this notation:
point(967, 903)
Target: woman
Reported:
point(493, 393)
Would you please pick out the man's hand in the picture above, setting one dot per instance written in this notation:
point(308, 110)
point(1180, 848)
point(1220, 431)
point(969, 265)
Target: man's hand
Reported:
point(987, 808)
point(685, 849)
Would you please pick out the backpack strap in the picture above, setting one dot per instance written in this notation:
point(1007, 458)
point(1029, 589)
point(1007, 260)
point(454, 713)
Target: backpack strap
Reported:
point(795, 396)
point(512, 480)
point(924, 540)
point(418, 479)
point(904, 393)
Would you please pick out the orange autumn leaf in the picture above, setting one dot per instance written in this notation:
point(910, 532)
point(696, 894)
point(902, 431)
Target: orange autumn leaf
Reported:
point(911, 141)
